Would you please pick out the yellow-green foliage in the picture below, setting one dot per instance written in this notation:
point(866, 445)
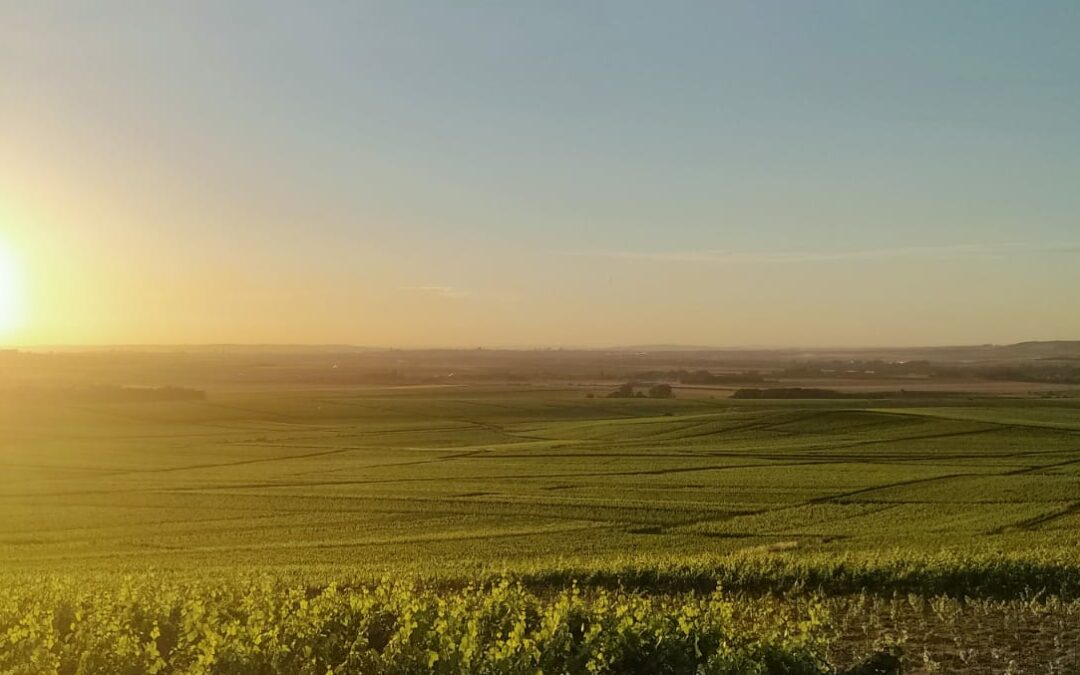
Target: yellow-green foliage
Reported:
point(150, 625)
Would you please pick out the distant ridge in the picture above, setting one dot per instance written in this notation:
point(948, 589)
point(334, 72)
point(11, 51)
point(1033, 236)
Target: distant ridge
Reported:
point(1044, 349)
point(1031, 349)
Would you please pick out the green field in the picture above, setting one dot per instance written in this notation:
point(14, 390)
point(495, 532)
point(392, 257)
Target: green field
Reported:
point(501, 478)
point(448, 487)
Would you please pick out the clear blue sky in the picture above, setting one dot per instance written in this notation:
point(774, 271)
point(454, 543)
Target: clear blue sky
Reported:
point(542, 172)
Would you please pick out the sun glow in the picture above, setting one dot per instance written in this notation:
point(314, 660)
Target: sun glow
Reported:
point(10, 295)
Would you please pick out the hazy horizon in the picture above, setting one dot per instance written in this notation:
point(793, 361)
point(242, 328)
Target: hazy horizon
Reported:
point(659, 347)
point(742, 175)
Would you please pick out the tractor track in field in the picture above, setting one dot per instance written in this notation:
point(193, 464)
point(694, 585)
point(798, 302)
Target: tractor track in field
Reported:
point(1043, 467)
point(789, 535)
point(793, 418)
point(837, 498)
point(390, 505)
point(764, 425)
point(501, 430)
point(1039, 521)
point(324, 545)
point(417, 462)
point(828, 499)
point(354, 433)
point(244, 462)
point(1017, 425)
point(610, 488)
point(187, 467)
point(838, 445)
point(503, 478)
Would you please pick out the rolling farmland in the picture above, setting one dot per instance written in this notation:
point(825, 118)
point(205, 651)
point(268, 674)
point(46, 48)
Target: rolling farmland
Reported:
point(507, 478)
point(543, 488)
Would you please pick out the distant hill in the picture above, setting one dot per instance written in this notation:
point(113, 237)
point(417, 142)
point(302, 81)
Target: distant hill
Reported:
point(1043, 350)
point(1069, 349)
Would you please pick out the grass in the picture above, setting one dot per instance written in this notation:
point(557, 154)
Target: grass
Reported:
point(447, 487)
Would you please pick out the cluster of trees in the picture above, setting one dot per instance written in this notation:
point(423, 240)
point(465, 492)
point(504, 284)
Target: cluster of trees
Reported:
point(801, 392)
point(628, 390)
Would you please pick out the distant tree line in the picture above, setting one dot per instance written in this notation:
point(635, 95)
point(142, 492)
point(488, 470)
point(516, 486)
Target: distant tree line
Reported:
point(1030, 372)
point(804, 393)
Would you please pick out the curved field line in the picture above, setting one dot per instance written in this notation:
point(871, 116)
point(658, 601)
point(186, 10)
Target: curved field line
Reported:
point(1038, 521)
point(1018, 425)
point(902, 483)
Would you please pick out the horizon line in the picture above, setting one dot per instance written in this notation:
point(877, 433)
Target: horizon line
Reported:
point(659, 347)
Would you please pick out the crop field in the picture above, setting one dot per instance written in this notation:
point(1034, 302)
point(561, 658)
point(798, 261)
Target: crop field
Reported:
point(452, 486)
point(500, 478)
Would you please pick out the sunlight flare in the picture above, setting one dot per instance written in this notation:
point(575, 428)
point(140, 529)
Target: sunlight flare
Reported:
point(10, 291)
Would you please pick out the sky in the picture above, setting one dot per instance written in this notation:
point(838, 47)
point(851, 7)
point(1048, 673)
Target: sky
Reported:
point(552, 173)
